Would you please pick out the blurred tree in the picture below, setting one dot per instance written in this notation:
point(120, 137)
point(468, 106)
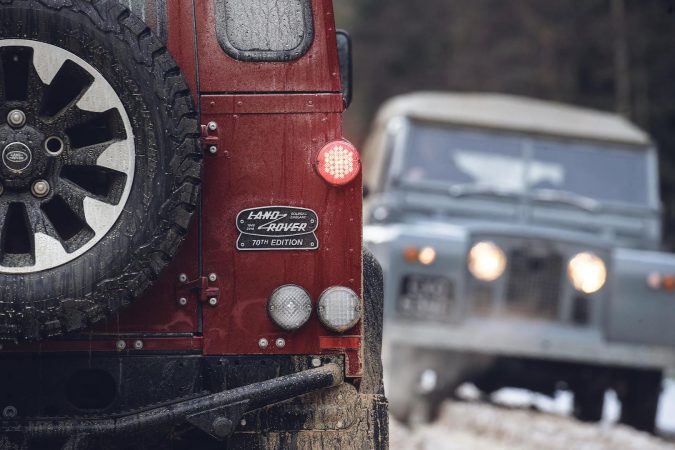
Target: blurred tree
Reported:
point(616, 55)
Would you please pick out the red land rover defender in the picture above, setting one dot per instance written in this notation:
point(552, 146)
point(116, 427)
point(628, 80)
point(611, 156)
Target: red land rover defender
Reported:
point(130, 126)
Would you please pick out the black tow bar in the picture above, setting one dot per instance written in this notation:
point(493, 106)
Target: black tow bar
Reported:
point(216, 414)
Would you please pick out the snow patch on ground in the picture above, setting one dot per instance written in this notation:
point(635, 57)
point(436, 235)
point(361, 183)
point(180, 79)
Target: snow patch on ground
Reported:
point(483, 426)
point(562, 403)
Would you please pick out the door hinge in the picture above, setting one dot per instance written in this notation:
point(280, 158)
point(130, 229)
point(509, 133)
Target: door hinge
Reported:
point(210, 138)
point(205, 289)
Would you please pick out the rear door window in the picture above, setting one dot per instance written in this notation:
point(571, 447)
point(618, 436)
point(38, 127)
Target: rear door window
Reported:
point(264, 30)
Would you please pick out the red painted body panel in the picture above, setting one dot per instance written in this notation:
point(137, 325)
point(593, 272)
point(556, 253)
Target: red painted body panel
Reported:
point(158, 311)
point(317, 71)
point(273, 119)
point(278, 151)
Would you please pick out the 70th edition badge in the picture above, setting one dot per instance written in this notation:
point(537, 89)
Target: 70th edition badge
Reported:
point(277, 228)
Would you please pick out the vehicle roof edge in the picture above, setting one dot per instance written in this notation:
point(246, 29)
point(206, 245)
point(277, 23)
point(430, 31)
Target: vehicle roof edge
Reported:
point(515, 113)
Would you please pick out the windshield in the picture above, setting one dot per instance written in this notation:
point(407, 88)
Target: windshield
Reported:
point(517, 163)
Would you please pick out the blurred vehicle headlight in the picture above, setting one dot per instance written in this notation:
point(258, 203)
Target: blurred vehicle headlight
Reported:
point(339, 308)
point(289, 307)
point(486, 261)
point(587, 272)
point(427, 256)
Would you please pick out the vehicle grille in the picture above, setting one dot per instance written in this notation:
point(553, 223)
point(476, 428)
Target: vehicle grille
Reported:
point(533, 284)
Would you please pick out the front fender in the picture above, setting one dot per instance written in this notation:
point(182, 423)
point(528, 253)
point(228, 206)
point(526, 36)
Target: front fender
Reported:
point(637, 313)
point(388, 244)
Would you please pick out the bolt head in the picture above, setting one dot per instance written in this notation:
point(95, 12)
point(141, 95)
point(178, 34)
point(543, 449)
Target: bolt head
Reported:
point(263, 343)
point(16, 118)
point(213, 126)
point(213, 301)
point(222, 427)
point(316, 362)
point(121, 345)
point(182, 278)
point(213, 149)
point(9, 412)
point(280, 343)
point(138, 345)
point(182, 301)
point(213, 277)
point(40, 188)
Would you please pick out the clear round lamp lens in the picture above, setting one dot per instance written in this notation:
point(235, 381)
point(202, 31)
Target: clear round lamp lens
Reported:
point(339, 308)
point(289, 307)
point(587, 272)
point(486, 261)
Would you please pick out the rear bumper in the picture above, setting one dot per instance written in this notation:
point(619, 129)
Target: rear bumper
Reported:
point(526, 339)
point(217, 413)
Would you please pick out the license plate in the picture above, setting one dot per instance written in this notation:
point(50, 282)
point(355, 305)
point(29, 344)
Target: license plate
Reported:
point(426, 296)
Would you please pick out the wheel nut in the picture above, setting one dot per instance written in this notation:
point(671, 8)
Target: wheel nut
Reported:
point(10, 412)
point(40, 188)
point(16, 118)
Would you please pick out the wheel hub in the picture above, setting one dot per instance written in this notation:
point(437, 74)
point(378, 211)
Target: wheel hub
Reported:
point(66, 156)
point(17, 157)
point(23, 158)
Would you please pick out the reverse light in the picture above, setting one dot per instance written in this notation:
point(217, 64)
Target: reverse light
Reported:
point(338, 163)
point(486, 261)
point(289, 307)
point(587, 272)
point(339, 308)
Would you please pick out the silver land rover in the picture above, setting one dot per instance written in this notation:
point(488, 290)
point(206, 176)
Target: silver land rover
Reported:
point(520, 241)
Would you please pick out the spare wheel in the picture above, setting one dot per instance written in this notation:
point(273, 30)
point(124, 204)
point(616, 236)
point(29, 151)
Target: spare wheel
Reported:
point(100, 163)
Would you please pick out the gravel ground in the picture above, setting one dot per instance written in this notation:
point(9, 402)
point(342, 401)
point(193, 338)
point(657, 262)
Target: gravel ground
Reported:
point(483, 426)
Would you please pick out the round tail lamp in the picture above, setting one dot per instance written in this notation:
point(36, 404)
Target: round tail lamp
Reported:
point(339, 308)
point(338, 163)
point(289, 307)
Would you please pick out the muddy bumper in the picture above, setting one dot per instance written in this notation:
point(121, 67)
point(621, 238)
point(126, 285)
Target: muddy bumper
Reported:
point(217, 413)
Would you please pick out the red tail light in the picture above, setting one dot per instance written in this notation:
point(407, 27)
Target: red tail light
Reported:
point(338, 163)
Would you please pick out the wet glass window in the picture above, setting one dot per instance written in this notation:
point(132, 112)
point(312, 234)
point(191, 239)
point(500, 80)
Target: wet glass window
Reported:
point(516, 163)
point(264, 30)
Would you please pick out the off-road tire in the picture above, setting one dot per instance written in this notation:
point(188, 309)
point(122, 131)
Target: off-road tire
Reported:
point(168, 160)
point(589, 403)
point(640, 399)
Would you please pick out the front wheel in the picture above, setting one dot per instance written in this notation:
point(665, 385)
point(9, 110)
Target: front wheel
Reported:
point(640, 400)
point(589, 403)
